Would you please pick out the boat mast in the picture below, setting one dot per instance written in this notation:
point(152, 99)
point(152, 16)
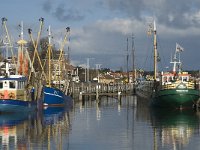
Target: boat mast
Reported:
point(127, 59)
point(49, 56)
point(155, 50)
point(6, 60)
point(133, 53)
point(176, 60)
point(21, 44)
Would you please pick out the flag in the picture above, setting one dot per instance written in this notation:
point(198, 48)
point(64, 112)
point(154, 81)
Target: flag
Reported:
point(179, 48)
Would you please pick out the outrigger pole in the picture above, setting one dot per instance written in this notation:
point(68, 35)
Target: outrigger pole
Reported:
point(62, 46)
point(8, 37)
point(35, 47)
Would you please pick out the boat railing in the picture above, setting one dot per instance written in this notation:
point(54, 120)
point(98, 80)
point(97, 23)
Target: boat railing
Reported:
point(174, 85)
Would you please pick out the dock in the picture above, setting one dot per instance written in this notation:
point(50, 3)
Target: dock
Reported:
point(96, 90)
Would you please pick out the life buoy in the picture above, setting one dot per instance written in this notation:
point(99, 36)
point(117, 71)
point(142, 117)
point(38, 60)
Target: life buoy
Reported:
point(11, 95)
point(1, 96)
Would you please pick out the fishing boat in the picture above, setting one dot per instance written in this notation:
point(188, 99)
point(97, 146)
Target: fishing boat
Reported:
point(53, 95)
point(15, 93)
point(177, 88)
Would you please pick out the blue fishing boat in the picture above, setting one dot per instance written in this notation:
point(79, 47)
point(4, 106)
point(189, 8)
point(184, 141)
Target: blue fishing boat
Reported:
point(54, 94)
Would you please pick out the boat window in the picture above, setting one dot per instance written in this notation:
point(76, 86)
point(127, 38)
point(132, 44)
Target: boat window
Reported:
point(12, 84)
point(1, 85)
point(185, 79)
point(20, 84)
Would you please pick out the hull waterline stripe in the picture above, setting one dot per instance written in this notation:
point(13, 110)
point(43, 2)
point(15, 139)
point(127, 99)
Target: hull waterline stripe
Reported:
point(52, 94)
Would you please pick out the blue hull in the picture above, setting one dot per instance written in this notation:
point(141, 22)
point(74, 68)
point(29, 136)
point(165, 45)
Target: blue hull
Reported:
point(54, 97)
point(10, 105)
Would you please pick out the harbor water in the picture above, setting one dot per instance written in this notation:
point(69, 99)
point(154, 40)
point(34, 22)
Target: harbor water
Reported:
point(110, 124)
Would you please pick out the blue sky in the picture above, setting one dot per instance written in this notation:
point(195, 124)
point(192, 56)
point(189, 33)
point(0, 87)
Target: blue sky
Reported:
point(99, 28)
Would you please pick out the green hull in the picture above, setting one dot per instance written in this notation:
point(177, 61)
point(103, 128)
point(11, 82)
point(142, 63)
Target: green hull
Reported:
point(176, 98)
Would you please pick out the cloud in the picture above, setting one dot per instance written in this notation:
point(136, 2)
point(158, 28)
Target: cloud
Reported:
point(104, 36)
point(61, 12)
point(47, 6)
point(105, 40)
point(177, 14)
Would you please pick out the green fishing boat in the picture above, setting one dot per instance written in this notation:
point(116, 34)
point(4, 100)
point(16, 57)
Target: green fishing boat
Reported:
point(176, 89)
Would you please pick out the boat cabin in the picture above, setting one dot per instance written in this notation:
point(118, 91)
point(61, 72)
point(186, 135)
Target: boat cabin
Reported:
point(171, 80)
point(12, 86)
point(171, 77)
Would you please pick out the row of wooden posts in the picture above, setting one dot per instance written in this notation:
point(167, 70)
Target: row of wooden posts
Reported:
point(79, 90)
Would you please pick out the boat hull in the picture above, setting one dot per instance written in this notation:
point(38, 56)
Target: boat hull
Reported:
point(176, 98)
point(12, 105)
point(54, 97)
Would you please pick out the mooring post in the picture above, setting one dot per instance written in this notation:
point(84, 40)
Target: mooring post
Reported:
point(73, 94)
point(80, 96)
point(82, 87)
point(97, 92)
point(89, 88)
point(119, 95)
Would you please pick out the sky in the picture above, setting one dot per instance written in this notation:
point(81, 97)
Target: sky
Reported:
point(100, 29)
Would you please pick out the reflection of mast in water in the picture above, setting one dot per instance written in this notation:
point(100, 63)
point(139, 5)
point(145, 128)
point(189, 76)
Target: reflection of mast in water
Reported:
point(58, 124)
point(155, 139)
point(98, 111)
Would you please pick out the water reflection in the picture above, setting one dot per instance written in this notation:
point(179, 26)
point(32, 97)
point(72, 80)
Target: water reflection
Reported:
point(14, 129)
point(42, 130)
point(173, 129)
point(109, 123)
point(56, 124)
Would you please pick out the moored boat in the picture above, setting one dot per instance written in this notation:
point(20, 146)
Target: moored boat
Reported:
point(16, 95)
point(53, 95)
point(175, 89)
